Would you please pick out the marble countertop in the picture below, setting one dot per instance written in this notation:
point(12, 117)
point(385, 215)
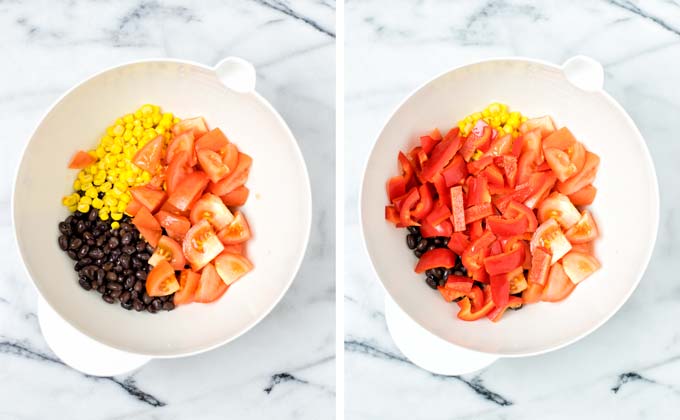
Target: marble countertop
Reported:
point(629, 368)
point(285, 366)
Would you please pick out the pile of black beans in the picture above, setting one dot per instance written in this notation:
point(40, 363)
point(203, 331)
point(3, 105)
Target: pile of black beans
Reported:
point(434, 277)
point(113, 262)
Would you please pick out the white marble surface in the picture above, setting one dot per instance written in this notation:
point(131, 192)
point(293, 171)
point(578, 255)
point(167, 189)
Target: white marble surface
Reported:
point(284, 367)
point(628, 369)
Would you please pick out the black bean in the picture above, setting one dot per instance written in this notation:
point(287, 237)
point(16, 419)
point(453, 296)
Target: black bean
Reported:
point(125, 260)
point(92, 215)
point(157, 304)
point(141, 246)
point(113, 242)
point(82, 252)
point(63, 242)
point(115, 254)
point(101, 240)
point(138, 305)
point(101, 289)
point(108, 298)
point(87, 235)
point(108, 266)
point(101, 275)
point(431, 247)
point(80, 226)
point(129, 282)
point(140, 275)
point(115, 293)
point(139, 286)
point(411, 241)
point(439, 272)
point(117, 269)
point(126, 238)
point(151, 309)
point(134, 294)
point(431, 281)
point(422, 245)
point(143, 257)
point(75, 243)
point(111, 276)
point(112, 285)
point(458, 273)
point(96, 253)
point(126, 305)
point(431, 273)
point(129, 249)
point(125, 296)
point(64, 228)
point(149, 249)
point(418, 253)
point(137, 263)
point(146, 298)
point(72, 254)
point(69, 219)
point(441, 282)
point(438, 240)
point(91, 242)
point(414, 229)
point(445, 274)
point(168, 306)
point(84, 283)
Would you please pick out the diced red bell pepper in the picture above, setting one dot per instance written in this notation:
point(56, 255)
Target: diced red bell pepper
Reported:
point(496, 248)
point(427, 143)
point(442, 153)
point(455, 172)
point(497, 312)
point(392, 215)
point(493, 175)
point(438, 257)
point(450, 295)
point(540, 266)
point(396, 187)
point(467, 314)
point(515, 209)
point(473, 257)
point(475, 141)
point(426, 203)
point(476, 230)
point(477, 297)
point(438, 214)
point(521, 193)
point(502, 226)
point(406, 206)
point(509, 166)
point(476, 166)
point(458, 243)
point(500, 290)
point(436, 135)
point(505, 262)
point(478, 212)
point(457, 209)
point(478, 191)
point(523, 241)
point(442, 189)
point(540, 183)
point(445, 228)
point(459, 283)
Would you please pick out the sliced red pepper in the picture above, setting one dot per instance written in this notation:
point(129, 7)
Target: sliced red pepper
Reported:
point(496, 248)
point(457, 209)
point(500, 290)
point(392, 215)
point(438, 257)
point(436, 135)
point(445, 228)
point(427, 143)
point(458, 243)
point(498, 311)
point(459, 283)
point(455, 172)
point(406, 206)
point(396, 187)
point(407, 169)
point(442, 153)
point(505, 262)
point(493, 175)
point(475, 141)
point(521, 193)
point(478, 212)
point(523, 241)
point(450, 295)
point(467, 314)
point(476, 166)
point(476, 296)
point(438, 214)
point(476, 230)
point(473, 257)
point(540, 266)
point(442, 189)
point(515, 209)
point(540, 184)
point(502, 226)
point(478, 191)
point(509, 166)
point(426, 203)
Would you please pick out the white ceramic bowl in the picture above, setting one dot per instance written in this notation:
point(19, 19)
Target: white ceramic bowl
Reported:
point(279, 207)
point(626, 207)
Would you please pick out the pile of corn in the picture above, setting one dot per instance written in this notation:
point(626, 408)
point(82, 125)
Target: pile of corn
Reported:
point(104, 184)
point(497, 116)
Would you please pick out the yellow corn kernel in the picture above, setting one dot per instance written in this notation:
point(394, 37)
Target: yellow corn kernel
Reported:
point(175, 120)
point(72, 208)
point(146, 109)
point(116, 216)
point(523, 119)
point(76, 184)
point(127, 135)
point(85, 178)
point(504, 117)
point(91, 192)
point(121, 207)
point(508, 128)
point(106, 186)
point(478, 154)
point(110, 201)
point(138, 114)
point(84, 187)
point(167, 116)
point(147, 123)
point(146, 177)
point(495, 108)
point(85, 200)
point(97, 203)
point(501, 132)
point(128, 118)
point(128, 126)
point(156, 118)
point(115, 225)
point(116, 148)
point(69, 200)
point(476, 116)
point(83, 208)
point(160, 130)
point(125, 198)
point(118, 130)
point(104, 215)
point(137, 131)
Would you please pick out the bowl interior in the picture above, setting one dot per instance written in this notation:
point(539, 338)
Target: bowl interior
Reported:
point(279, 208)
point(626, 207)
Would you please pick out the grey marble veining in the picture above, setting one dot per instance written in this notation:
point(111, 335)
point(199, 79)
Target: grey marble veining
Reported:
point(283, 368)
point(629, 368)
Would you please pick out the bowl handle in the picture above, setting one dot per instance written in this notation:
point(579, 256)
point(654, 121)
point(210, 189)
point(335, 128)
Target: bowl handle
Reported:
point(236, 74)
point(428, 351)
point(80, 351)
point(584, 72)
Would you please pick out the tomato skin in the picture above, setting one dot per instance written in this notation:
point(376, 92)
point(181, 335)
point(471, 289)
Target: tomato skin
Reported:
point(438, 257)
point(182, 143)
point(236, 198)
point(196, 125)
point(230, 157)
point(211, 208)
point(235, 179)
point(212, 165)
point(558, 286)
point(540, 184)
point(505, 262)
point(579, 266)
point(175, 225)
point(231, 267)
point(188, 190)
point(540, 266)
point(561, 139)
point(161, 280)
point(210, 286)
point(584, 248)
point(177, 170)
point(188, 282)
point(201, 245)
point(149, 156)
point(559, 207)
point(236, 232)
point(585, 177)
point(457, 209)
point(214, 140)
point(133, 207)
point(150, 198)
point(501, 145)
point(560, 163)
point(583, 197)
point(168, 250)
point(544, 125)
point(442, 153)
point(148, 226)
point(81, 160)
point(235, 248)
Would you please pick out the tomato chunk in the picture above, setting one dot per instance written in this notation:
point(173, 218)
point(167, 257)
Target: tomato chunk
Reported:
point(558, 206)
point(558, 286)
point(235, 179)
point(149, 156)
point(550, 236)
point(540, 266)
point(212, 209)
point(578, 266)
point(214, 140)
point(175, 225)
point(231, 267)
point(161, 281)
point(237, 197)
point(236, 232)
point(188, 282)
point(210, 286)
point(81, 160)
point(201, 245)
point(184, 143)
point(584, 196)
point(583, 231)
point(148, 197)
point(196, 125)
point(188, 190)
point(212, 165)
point(168, 250)
point(148, 226)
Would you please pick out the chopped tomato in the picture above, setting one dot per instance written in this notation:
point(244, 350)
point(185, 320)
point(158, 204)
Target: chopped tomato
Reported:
point(235, 248)
point(201, 245)
point(438, 257)
point(559, 162)
point(550, 236)
point(182, 143)
point(517, 281)
point(544, 125)
point(214, 140)
point(212, 165)
point(558, 286)
point(558, 206)
point(148, 226)
point(212, 209)
point(493, 175)
point(532, 293)
point(579, 266)
point(230, 157)
point(583, 197)
point(585, 230)
point(442, 153)
point(561, 139)
point(188, 190)
point(235, 179)
point(81, 160)
point(175, 225)
point(505, 262)
point(540, 266)
point(177, 170)
point(148, 197)
point(149, 156)
point(231, 267)
point(585, 177)
point(210, 286)
point(188, 282)
point(168, 250)
point(161, 280)
point(531, 156)
point(196, 125)
point(501, 145)
point(235, 232)
point(585, 248)
point(237, 197)
point(509, 166)
point(540, 184)
point(457, 209)
point(133, 207)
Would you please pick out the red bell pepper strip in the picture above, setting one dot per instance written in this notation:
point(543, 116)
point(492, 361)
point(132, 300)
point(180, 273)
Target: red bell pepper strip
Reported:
point(438, 214)
point(475, 141)
point(450, 295)
point(396, 187)
point(459, 283)
point(509, 166)
point(493, 175)
point(455, 171)
point(467, 314)
point(505, 262)
point(476, 296)
point(496, 248)
point(476, 230)
point(498, 311)
point(442, 189)
point(515, 209)
point(426, 203)
point(457, 209)
point(523, 241)
point(521, 193)
point(540, 266)
point(500, 290)
point(445, 228)
point(438, 257)
point(478, 212)
point(478, 191)
point(473, 257)
point(391, 215)
point(476, 166)
point(436, 135)
point(458, 243)
point(501, 226)
point(442, 153)
point(427, 143)
point(409, 203)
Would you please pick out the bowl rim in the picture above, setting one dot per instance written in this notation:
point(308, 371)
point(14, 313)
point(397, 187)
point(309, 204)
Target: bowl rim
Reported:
point(307, 196)
point(647, 158)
